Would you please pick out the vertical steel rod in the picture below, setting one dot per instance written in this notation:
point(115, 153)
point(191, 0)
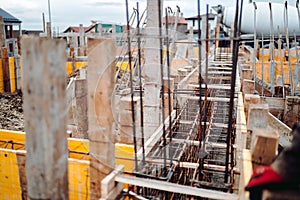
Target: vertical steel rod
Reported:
point(140, 81)
point(262, 63)
point(162, 84)
point(271, 46)
point(200, 91)
point(255, 44)
point(237, 25)
point(281, 63)
point(169, 84)
point(288, 47)
point(206, 70)
point(131, 88)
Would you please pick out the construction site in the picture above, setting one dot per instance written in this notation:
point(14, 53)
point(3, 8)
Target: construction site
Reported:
point(153, 112)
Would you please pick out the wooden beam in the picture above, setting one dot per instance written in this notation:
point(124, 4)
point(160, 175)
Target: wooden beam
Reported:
point(176, 188)
point(100, 76)
point(216, 99)
point(44, 113)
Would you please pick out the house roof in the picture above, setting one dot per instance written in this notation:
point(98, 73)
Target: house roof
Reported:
point(8, 18)
point(75, 29)
point(171, 20)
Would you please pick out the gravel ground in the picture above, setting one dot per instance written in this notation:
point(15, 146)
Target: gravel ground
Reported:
point(11, 111)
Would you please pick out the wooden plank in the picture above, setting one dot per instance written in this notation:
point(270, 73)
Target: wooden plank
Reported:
point(214, 86)
point(246, 171)
point(44, 113)
point(176, 188)
point(5, 69)
point(215, 99)
point(108, 183)
point(21, 160)
point(100, 76)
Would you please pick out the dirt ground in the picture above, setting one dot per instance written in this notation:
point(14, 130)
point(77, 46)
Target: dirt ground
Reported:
point(11, 111)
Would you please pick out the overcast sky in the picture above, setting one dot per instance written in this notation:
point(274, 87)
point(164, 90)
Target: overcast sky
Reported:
point(67, 13)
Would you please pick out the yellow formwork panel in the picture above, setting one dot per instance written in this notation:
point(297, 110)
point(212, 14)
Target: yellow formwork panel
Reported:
point(79, 179)
point(278, 71)
point(7, 137)
point(12, 74)
point(124, 65)
point(125, 156)
point(77, 66)
point(69, 67)
point(1, 78)
point(196, 52)
point(10, 187)
point(79, 148)
point(79, 174)
point(80, 64)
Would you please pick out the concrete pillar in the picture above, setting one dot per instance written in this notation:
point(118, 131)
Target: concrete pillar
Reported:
point(126, 122)
point(81, 109)
point(257, 116)
point(291, 110)
point(152, 71)
point(263, 154)
point(49, 32)
point(113, 28)
point(190, 46)
point(45, 118)
point(297, 80)
point(2, 33)
point(247, 74)
point(203, 36)
point(250, 99)
point(100, 29)
point(182, 73)
point(248, 86)
point(81, 40)
point(100, 77)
